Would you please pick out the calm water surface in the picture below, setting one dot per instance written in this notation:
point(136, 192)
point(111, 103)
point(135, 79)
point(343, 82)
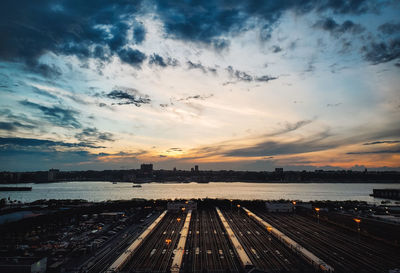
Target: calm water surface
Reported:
point(101, 191)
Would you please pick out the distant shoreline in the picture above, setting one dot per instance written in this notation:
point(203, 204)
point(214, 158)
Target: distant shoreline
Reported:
point(180, 182)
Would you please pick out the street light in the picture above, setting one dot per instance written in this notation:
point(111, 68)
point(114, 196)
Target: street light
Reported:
point(317, 210)
point(178, 219)
point(238, 206)
point(167, 241)
point(294, 206)
point(358, 221)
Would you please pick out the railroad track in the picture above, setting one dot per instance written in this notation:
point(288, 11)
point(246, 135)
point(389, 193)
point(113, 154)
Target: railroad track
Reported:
point(155, 254)
point(102, 260)
point(265, 251)
point(343, 252)
point(208, 247)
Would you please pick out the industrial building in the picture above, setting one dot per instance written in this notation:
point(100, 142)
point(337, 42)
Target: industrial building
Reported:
point(279, 207)
point(179, 206)
point(23, 265)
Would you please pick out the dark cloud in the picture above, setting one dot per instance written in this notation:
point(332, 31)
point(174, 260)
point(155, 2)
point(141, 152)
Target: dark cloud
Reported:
point(14, 126)
point(19, 119)
point(276, 49)
point(174, 149)
point(196, 97)
point(43, 93)
point(125, 154)
point(44, 159)
point(131, 56)
point(389, 28)
point(382, 142)
point(65, 27)
point(128, 96)
point(290, 127)
point(139, 34)
point(220, 44)
point(348, 6)
point(204, 69)
point(93, 135)
point(102, 53)
point(265, 78)
point(330, 25)
point(20, 143)
point(333, 104)
point(245, 77)
point(203, 21)
point(239, 75)
point(46, 70)
point(55, 114)
point(394, 151)
point(163, 62)
point(271, 148)
point(382, 52)
point(100, 28)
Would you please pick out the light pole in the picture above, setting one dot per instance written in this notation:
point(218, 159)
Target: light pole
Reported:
point(317, 210)
point(358, 221)
point(294, 206)
point(238, 206)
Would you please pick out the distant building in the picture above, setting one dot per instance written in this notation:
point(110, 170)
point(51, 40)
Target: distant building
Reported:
point(146, 168)
point(129, 177)
point(387, 193)
point(196, 168)
point(279, 207)
point(23, 264)
point(52, 174)
point(305, 205)
point(279, 170)
point(179, 206)
point(192, 169)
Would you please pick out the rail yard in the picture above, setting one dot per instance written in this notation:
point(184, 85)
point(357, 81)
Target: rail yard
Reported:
point(345, 252)
point(238, 240)
point(220, 236)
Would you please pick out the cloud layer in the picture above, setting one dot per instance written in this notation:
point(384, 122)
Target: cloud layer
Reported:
point(247, 84)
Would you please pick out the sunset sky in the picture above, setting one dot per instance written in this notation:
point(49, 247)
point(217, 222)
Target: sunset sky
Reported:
point(241, 85)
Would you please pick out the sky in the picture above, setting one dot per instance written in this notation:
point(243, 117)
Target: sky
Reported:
point(237, 85)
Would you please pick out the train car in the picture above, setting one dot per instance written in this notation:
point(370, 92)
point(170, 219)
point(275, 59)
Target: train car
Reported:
point(122, 260)
point(316, 262)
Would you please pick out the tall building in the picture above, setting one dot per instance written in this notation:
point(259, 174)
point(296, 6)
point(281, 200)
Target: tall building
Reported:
point(146, 168)
point(52, 174)
point(196, 168)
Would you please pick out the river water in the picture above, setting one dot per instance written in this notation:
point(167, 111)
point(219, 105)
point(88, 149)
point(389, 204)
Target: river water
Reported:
point(102, 191)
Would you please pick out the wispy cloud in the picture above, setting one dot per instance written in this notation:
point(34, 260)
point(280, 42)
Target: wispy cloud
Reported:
point(245, 77)
point(156, 59)
point(128, 96)
point(382, 142)
point(290, 127)
point(55, 114)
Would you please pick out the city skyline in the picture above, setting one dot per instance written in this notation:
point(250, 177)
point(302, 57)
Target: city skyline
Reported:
point(223, 85)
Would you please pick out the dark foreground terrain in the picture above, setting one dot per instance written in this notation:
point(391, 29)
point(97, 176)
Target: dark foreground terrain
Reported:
point(196, 236)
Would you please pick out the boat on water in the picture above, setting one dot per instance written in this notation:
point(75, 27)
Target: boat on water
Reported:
point(136, 186)
point(15, 188)
point(114, 182)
